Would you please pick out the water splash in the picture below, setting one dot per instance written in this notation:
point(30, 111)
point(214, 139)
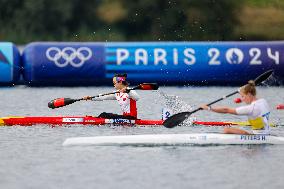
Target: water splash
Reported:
point(174, 103)
point(272, 81)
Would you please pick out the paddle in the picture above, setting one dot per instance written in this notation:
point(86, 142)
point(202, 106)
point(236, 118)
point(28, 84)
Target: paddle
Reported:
point(178, 118)
point(60, 102)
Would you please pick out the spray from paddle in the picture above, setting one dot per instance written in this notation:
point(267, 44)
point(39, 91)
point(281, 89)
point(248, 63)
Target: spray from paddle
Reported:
point(172, 104)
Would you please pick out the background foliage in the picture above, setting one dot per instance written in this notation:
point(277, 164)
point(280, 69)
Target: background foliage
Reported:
point(23, 21)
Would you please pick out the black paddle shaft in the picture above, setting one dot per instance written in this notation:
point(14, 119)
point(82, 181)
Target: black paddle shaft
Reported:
point(60, 102)
point(215, 101)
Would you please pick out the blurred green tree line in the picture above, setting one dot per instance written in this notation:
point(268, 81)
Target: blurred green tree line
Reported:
point(24, 21)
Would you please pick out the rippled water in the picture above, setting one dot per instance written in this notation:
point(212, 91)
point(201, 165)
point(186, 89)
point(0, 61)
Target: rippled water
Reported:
point(33, 157)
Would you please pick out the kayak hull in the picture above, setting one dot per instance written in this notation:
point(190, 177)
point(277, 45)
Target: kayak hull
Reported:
point(68, 120)
point(90, 120)
point(175, 139)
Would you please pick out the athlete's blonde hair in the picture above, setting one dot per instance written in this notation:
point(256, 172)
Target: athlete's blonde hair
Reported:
point(249, 88)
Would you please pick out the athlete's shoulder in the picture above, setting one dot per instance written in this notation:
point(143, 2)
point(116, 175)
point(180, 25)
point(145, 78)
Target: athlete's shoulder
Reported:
point(261, 101)
point(134, 95)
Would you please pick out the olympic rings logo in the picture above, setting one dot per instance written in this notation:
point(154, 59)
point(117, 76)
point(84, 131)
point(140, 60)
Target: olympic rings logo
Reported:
point(68, 55)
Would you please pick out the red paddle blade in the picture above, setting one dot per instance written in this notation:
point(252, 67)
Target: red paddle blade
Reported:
point(148, 86)
point(60, 102)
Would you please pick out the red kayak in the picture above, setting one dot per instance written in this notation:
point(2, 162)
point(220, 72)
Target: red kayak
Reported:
point(90, 120)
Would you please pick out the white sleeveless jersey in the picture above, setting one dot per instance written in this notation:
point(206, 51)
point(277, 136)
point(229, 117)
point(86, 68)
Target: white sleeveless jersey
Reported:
point(127, 101)
point(258, 109)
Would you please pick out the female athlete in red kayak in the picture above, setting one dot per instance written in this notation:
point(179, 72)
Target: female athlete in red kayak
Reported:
point(257, 111)
point(125, 98)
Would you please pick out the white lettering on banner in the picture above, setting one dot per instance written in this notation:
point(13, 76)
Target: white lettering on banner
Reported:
point(214, 54)
point(141, 55)
point(160, 56)
point(255, 54)
point(164, 56)
point(121, 54)
point(274, 57)
point(68, 55)
point(175, 56)
point(189, 53)
point(234, 56)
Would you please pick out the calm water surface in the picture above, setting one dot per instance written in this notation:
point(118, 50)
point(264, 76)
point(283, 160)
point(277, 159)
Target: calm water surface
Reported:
point(33, 157)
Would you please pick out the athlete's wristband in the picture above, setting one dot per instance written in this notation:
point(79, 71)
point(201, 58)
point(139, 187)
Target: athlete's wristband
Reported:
point(209, 108)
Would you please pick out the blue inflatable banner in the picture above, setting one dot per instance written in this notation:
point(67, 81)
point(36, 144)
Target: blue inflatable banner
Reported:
point(225, 63)
point(64, 63)
point(9, 63)
point(183, 63)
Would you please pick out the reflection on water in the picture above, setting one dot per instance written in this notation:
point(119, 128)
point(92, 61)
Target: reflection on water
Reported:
point(255, 150)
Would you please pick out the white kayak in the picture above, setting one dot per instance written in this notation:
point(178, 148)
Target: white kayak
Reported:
point(175, 139)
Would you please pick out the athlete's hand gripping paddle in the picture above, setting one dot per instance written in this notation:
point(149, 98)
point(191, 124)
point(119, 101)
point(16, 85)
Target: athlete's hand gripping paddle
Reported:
point(60, 102)
point(178, 118)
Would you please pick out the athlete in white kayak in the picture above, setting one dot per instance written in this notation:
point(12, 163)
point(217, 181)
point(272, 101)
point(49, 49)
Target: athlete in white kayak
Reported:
point(125, 98)
point(257, 111)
